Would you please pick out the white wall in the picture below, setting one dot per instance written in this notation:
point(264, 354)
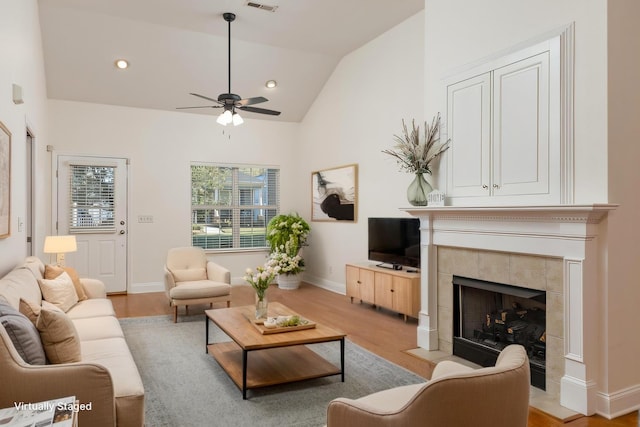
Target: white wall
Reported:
point(160, 146)
point(22, 64)
point(623, 292)
point(353, 119)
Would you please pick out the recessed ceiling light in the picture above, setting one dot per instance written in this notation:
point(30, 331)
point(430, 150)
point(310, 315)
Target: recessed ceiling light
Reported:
point(122, 64)
point(271, 84)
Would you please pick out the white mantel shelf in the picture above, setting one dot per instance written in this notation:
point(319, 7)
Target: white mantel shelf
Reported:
point(567, 232)
point(591, 213)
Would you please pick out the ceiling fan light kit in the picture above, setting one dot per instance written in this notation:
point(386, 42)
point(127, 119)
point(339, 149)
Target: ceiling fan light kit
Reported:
point(230, 101)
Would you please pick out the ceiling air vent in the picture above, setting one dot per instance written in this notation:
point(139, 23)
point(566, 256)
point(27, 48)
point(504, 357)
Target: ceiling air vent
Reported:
point(262, 6)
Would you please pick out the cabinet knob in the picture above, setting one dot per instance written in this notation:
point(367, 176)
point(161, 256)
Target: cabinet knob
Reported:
point(392, 290)
point(496, 186)
point(485, 186)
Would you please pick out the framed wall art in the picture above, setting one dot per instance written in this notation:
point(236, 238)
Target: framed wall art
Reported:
point(334, 194)
point(5, 181)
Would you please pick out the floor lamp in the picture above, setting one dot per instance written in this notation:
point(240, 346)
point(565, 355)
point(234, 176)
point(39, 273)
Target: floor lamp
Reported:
point(60, 245)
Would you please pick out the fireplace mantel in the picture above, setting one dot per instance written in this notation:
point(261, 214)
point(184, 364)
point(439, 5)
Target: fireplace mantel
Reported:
point(556, 213)
point(567, 232)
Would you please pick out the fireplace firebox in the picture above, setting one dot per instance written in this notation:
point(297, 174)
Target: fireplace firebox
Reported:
point(488, 316)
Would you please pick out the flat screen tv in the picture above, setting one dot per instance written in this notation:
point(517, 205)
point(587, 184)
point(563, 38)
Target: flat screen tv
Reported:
point(395, 242)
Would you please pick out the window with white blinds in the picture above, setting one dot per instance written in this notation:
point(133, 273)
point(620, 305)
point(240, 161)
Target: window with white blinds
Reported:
point(231, 205)
point(92, 199)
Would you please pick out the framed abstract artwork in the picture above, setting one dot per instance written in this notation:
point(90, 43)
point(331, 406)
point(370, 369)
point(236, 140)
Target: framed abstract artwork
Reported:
point(5, 181)
point(334, 194)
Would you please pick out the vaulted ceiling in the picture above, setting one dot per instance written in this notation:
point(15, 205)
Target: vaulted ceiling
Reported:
point(180, 46)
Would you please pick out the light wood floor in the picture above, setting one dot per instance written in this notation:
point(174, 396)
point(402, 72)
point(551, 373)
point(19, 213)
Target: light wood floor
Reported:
point(379, 331)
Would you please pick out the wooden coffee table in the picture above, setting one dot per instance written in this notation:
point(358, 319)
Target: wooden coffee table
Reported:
point(276, 358)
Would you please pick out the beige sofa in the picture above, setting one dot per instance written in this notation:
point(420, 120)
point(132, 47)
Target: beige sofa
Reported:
point(106, 377)
point(456, 395)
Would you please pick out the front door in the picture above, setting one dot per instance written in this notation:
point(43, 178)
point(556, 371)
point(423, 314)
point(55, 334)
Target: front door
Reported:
point(92, 205)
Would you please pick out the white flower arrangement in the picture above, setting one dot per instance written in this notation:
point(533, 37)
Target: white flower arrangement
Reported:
point(262, 277)
point(286, 263)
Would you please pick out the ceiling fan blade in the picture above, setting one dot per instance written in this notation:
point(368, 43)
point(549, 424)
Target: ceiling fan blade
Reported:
point(251, 101)
point(203, 106)
point(260, 110)
point(206, 97)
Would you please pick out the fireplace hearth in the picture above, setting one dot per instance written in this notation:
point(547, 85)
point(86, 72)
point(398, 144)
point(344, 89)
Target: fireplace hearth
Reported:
point(489, 316)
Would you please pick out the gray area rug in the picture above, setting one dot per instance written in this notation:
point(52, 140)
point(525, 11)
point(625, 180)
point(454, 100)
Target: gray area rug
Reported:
point(184, 386)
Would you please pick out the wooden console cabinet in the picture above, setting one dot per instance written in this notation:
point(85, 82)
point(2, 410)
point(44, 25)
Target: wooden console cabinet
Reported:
point(396, 290)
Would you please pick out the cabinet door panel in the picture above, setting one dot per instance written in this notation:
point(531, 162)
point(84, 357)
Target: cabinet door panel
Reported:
point(406, 296)
point(468, 127)
point(384, 290)
point(521, 127)
point(353, 281)
point(367, 285)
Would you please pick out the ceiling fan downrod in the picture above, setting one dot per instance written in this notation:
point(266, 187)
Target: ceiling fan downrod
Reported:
point(229, 17)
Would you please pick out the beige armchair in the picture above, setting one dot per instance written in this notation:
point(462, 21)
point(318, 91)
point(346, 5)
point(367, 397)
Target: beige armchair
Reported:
point(190, 279)
point(456, 395)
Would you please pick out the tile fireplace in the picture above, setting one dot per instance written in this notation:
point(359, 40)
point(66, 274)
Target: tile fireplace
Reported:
point(544, 249)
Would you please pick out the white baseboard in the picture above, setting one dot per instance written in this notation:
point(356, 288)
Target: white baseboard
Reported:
point(613, 405)
point(336, 287)
point(143, 288)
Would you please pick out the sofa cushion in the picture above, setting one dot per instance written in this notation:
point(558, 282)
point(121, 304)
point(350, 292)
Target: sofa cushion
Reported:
point(59, 291)
point(59, 337)
point(92, 307)
point(53, 271)
point(189, 274)
point(114, 354)
point(96, 328)
point(20, 283)
point(23, 334)
point(30, 309)
point(199, 289)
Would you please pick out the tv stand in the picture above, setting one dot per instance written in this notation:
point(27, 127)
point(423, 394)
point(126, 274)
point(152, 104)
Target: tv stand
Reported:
point(396, 290)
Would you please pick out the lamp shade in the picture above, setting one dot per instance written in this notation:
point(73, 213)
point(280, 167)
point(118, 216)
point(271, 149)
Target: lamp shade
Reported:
point(60, 244)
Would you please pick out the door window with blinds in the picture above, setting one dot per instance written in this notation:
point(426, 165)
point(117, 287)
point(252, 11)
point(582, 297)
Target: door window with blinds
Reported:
point(231, 205)
point(92, 199)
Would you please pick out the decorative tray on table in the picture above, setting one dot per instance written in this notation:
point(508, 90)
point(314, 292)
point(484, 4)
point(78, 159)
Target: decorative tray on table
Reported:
point(275, 325)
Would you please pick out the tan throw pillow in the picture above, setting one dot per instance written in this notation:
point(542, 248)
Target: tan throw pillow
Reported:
point(59, 291)
point(188, 275)
point(59, 337)
point(53, 271)
point(30, 309)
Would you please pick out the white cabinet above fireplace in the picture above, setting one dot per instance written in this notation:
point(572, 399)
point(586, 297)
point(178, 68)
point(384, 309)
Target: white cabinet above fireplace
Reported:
point(506, 119)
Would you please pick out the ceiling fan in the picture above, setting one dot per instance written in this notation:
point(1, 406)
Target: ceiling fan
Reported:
point(231, 102)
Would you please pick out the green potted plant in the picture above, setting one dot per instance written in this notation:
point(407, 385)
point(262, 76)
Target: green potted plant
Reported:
point(286, 234)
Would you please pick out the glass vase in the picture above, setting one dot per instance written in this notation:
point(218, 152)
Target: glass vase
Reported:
point(418, 191)
point(261, 307)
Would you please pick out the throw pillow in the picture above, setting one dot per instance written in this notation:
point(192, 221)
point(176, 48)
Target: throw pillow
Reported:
point(190, 274)
point(59, 337)
point(30, 309)
point(53, 271)
point(23, 335)
point(59, 291)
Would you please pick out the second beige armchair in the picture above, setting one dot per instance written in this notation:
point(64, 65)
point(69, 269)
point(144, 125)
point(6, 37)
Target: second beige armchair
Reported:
point(456, 396)
point(191, 279)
